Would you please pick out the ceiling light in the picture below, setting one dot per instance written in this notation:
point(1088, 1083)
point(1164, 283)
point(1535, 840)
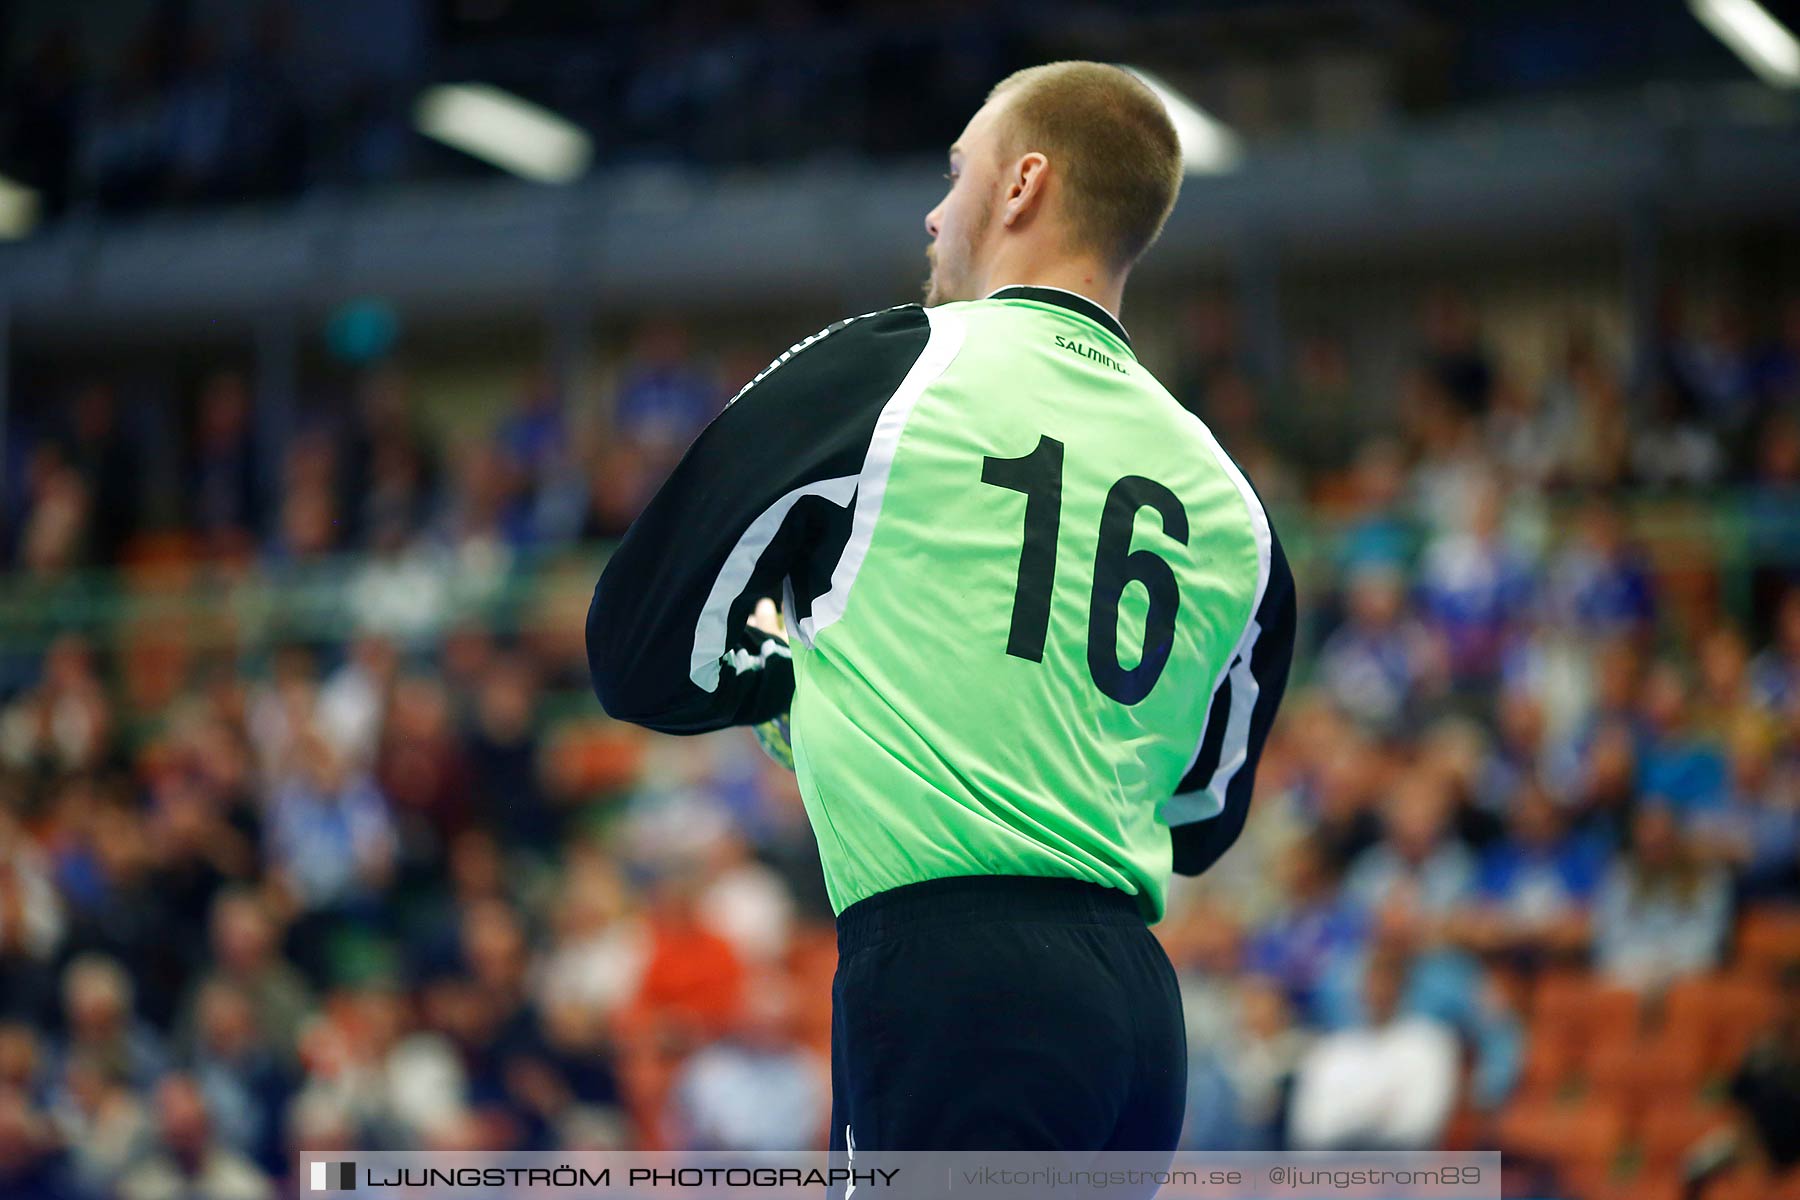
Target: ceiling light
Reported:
point(18, 209)
point(1208, 147)
point(1755, 36)
point(500, 128)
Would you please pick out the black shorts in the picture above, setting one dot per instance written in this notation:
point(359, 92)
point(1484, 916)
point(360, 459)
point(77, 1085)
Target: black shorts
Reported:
point(1004, 1013)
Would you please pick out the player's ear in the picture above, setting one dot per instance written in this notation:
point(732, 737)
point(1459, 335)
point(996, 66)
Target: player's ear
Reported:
point(1025, 183)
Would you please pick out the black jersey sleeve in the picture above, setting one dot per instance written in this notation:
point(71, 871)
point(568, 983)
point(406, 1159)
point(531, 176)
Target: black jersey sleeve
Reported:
point(1237, 725)
point(759, 506)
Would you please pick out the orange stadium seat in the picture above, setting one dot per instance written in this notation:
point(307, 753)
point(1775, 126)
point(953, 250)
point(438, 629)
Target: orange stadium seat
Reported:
point(1671, 1131)
point(1605, 1184)
point(1723, 1014)
point(1584, 1136)
point(1637, 1075)
point(1743, 1184)
point(1550, 1062)
point(1769, 939)
point(1670, 1067)
point(1585, 1007)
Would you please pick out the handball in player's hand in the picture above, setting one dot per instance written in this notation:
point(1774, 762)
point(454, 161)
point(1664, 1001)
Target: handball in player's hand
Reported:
point(773, 736)
point(768, 618)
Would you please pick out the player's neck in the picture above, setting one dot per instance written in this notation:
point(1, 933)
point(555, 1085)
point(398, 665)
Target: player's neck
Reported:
point(1083, 277)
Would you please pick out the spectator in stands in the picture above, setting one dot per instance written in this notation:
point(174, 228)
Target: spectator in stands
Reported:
point(760, 1088)
point(330, 836)
point(1599, 583)
point(194, 1164)
point(32, 1162)
point(505, 758)
point(1754, 831)
point(390, 473)
point(125, 914)
point(310, 520)
point(246, 957)
point(1528, 435)
point(1379, 531)
point(1720, 369)
point(1778, 365)
point(1772, 539)
point(101, 1023)
point(1724, 699)
point(31, 922)
point(596, 960)
point(422, 767)
point(534, 432)
point(1674, 447)
point(1265, 1053)
point(1316, 929)
point(1512, 760)
point(401, 589)
point(1765, 1089)
point(1380, 664)
point(1474, 590)
point(693, 982)
point(103, 1122)
point(22, 1065)
point(1604, 783)
point(1418, 854)
point(747, 902)
point(49, 538)
point(1387, 1084)
point(1535, 884)
point(1205, 948)
point(1675, 764)
point(1661, 913)
point(1342, 773)
point(1450, 465)
point(101, 453)
point(354, 698)
point(1454, 354)
point(65, 723)
point(664, 396)
point(226, 491)
point(578, 1086)
point(1584, 401)
point(1775, 672)
point(245, 1084)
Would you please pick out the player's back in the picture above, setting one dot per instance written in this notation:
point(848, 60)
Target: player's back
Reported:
point(1052, 565)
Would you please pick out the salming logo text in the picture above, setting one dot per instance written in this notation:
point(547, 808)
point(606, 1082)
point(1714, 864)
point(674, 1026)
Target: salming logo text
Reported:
point(1089, 353)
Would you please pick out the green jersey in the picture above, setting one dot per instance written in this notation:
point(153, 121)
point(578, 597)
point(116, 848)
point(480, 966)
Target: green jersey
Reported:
point(1039, 622)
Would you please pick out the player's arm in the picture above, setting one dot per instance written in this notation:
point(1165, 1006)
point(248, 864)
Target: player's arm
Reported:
point(1237, 725)
point(761, 499)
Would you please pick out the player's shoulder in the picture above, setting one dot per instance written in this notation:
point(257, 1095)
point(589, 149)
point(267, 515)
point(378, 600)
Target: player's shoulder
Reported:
point(870, 344)
point(1189, 431)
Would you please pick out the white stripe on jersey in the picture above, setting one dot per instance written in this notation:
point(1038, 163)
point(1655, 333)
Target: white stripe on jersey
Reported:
point(940, 351)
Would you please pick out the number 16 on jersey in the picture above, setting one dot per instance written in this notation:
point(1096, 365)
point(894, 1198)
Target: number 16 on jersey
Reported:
point(1038, 476)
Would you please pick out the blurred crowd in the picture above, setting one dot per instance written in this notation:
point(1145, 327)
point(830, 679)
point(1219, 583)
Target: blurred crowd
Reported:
point(206, 104)
point(94, 479)
point(390, 888)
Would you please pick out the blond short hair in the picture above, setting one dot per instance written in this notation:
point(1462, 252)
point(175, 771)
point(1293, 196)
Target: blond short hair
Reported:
point(1113, 143)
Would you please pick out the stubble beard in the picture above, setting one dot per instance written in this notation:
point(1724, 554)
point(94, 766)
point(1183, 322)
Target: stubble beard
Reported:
point(936, 292)
point(940, 289)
